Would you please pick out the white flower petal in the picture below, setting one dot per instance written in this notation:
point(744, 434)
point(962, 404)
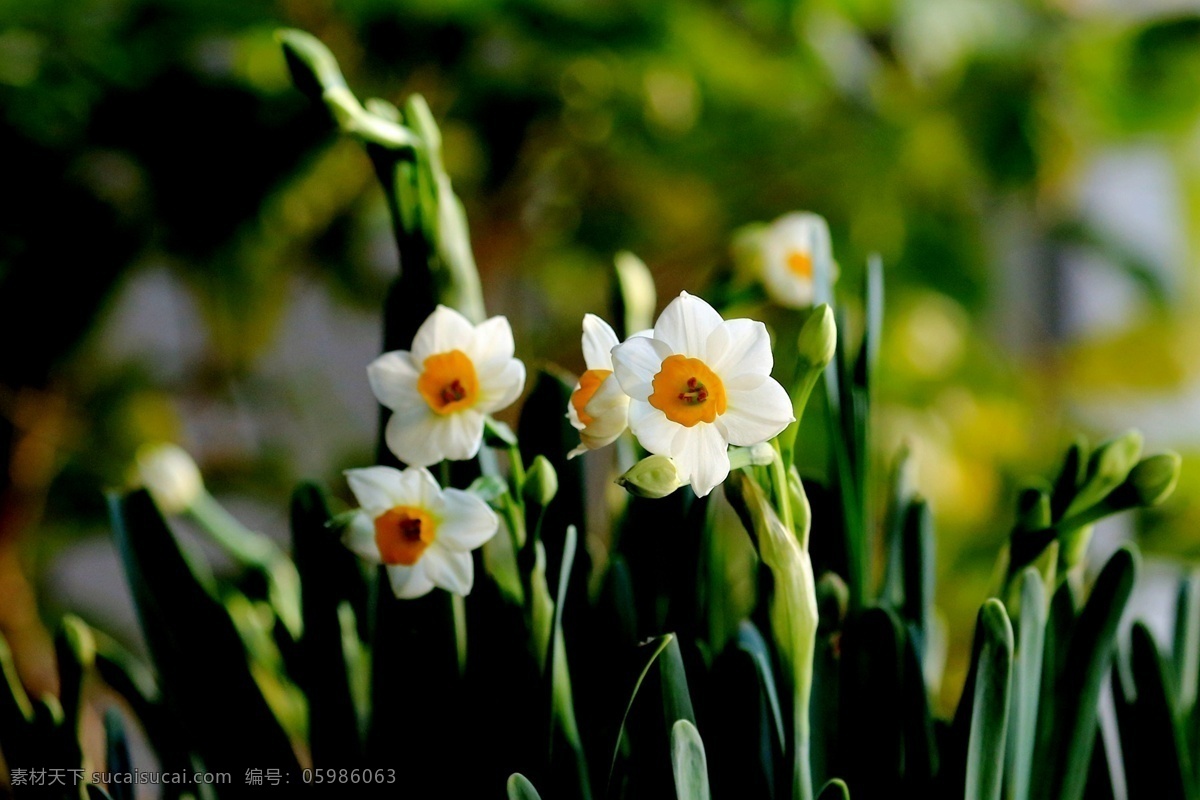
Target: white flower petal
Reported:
point(359, 537)
point(454, 572)
point(685, 325)
point(572, 414)
point(409, 583)
point(798, 232)
point(393, 378)
point(462, 435)
point(598, 341)
point(492, 347)
point(424, 438)
point(419, 488)
point(466, 521)
point(635, 363)
point(701, 454)
point(376, 488)
point(738, 347)
point(651, 427)
point(501, 386)
point(609, 409)
point(754, 414)
point(444, 330)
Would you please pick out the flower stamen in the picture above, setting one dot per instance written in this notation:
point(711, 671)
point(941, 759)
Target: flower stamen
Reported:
point(683, 389)
point(448, 382)
point(402, 534)
point(695, 394)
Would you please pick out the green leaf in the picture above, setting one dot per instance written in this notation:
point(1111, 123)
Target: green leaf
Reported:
point(519, 788)
point(1076, 693)
point(1027, 684)
point(677, 700)
point(313, 67)
point(323, 563)
point(117, 758)
point(751, 642)
point(1153, 743)
point(900, 495)
point(16, 712)
point(189, 635)
point(873, 702)
point(689, 762)
point(562, 703)
point(76, 652)
point(1186, 650)
point(835, 789)
point(989, 708)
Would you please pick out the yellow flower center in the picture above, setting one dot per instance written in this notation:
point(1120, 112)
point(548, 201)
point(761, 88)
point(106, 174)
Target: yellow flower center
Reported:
point(799, 263)
point(448, 382)
point(687, 391)
point(589, 382)
point(402, 534)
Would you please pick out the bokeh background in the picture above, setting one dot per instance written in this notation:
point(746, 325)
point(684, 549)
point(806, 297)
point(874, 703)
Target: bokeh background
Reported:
point(189, 253)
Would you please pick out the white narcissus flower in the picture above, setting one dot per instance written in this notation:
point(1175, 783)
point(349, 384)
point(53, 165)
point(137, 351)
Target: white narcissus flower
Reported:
point(421, 533)
point(790, 249)
point(598, 408)
point(698, 384)
point(441, 390)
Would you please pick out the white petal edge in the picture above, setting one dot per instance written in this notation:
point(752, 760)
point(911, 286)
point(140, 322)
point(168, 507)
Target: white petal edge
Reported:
point(685, 325)
point(454, 572)
point(652, 428)
point(409, 583)
point(500, 387)
point(376, 488)
point(419, 488)
point(424, 439)
point(442, 331)
point(755, 415)
point(466, 521)
point(393, 378)
point(598, 341)
point(635, 363)
point(359, 537)
point(702, 455)
point(738, 347)
point(492, 347)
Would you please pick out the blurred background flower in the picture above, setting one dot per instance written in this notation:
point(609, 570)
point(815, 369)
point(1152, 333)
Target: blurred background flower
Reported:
point(189, 253)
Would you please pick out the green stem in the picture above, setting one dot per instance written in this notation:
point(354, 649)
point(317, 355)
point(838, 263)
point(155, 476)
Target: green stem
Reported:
point(782, 497)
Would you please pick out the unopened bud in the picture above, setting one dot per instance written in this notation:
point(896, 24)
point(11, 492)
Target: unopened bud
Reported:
point(817, 341)
point(1153, 479)
point(541, 482)
point(654, 477)
point(170, 475)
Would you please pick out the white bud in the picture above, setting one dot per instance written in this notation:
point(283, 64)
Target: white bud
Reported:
point(170, 475)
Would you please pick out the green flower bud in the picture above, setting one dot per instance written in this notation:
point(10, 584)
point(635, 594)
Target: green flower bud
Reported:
point(817, 341)
point(654, 477)
point(1107, 469)
point(1154, 478)
point(1149, 483)
point(541, 482)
